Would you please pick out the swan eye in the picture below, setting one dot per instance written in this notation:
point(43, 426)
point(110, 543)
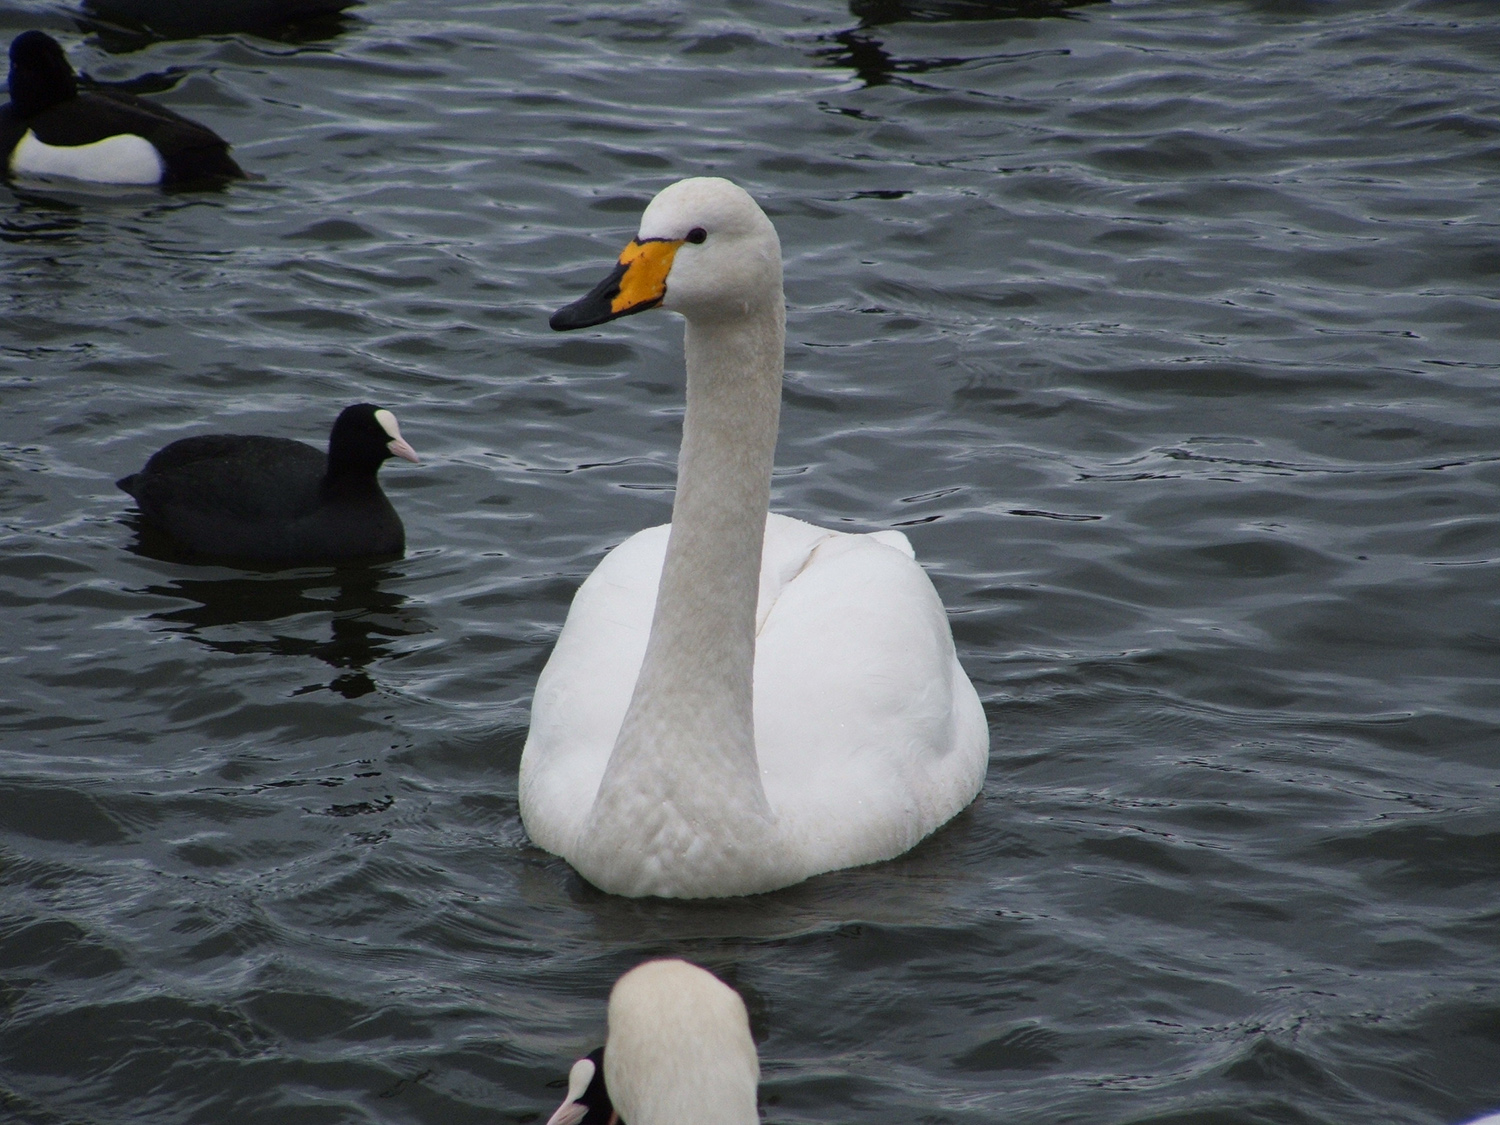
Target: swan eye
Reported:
point(697, 234)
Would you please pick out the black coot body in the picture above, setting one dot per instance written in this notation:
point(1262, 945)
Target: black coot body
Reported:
point(273, 500)
point(46, 102)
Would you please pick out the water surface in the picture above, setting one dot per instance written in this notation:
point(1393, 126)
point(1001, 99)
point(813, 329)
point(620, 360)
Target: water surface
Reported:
point(1165, 331)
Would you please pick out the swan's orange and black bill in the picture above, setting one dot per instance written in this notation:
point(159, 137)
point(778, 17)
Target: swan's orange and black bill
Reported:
point(637, 283)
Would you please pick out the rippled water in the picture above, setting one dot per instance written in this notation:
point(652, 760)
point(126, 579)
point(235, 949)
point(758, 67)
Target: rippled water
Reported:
point(1166, 331)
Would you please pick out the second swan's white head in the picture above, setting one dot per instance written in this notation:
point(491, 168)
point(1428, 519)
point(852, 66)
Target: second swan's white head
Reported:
point(705, 249)
point(679, 1052)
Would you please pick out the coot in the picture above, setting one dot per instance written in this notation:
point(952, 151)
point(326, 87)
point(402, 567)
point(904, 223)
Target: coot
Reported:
point(270, 499)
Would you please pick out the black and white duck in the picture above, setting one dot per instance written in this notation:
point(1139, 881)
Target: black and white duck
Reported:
point(51, 127)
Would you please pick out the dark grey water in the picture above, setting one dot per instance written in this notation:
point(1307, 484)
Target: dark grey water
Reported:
point(1167, 333)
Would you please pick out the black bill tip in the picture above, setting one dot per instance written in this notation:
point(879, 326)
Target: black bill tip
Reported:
point(595, 307)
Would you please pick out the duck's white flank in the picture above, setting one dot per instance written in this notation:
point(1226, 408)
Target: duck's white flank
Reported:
point(739, 701)
point(679, 1049)
point(122, 159)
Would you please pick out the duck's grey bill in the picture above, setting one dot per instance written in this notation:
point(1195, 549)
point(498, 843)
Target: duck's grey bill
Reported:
point(596, 307)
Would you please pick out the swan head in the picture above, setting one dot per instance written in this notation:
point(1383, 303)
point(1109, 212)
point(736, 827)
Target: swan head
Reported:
point(704, 249)
point(679, 1049)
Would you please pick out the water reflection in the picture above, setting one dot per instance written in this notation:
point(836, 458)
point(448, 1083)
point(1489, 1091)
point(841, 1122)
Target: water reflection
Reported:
point(868, 58)
point(364, 616)
point(39, 218)
point(64, 211)
point(873, 13)
point(142, 85)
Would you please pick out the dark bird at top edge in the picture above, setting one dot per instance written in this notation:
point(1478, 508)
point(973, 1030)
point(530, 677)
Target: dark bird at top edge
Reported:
point(185, 18)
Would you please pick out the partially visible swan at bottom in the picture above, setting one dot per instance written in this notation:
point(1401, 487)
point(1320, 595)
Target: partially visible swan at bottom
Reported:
point(679, 1050)
point(740, 701)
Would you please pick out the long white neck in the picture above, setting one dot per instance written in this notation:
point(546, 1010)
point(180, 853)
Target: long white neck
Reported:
point(681, 799)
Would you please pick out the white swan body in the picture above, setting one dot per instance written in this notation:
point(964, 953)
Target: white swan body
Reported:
point(740, 701)
point(679, 1050)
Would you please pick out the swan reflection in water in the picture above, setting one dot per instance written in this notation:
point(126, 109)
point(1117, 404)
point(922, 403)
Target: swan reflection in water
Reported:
point(365, 617)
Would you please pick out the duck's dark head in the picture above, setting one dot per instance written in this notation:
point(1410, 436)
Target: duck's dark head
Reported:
point(40, 74)
point(588, 1101)
point(363, 437)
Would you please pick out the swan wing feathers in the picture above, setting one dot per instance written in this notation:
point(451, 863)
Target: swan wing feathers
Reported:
point(868, 733)
point(585, 688)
